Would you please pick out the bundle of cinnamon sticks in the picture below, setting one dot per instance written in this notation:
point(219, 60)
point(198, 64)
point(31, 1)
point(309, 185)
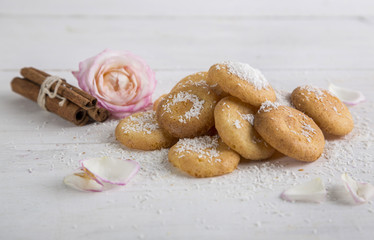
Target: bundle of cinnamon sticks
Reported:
point(79, 107)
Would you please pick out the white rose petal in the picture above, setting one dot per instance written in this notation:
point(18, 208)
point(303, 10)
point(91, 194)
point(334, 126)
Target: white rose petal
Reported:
point(346, 95)
point(81, 181)
point(102, 174)
point(360, 192)
point(312, 191)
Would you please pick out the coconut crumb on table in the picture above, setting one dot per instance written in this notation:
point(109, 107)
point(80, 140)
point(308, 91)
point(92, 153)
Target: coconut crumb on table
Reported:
point(157, 176)
point(283, 97)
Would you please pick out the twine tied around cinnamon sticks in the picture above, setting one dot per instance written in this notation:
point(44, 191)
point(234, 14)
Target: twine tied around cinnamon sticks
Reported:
point(45, 90)
point(78, 107)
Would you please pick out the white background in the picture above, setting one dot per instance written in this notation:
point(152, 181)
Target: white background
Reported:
point(292, 42)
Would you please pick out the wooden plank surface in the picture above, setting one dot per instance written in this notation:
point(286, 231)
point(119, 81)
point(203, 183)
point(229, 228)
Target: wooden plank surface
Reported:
point(192, 8)
point(292, 42)
point(190, 43)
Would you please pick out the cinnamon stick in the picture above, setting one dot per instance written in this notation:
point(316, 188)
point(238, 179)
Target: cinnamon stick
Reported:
point(98, 114)
point(69, 111)
point(70, 92)
point(85, 120)
point(73, 94)
point(77, 90)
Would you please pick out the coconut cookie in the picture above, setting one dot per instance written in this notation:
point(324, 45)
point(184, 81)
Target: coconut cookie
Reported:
point(188, 112)
point(330, 114)
point(242, 81)
point(234, 123)
point(199, 79)
point(289, 131)
point(205, 156)
point(141, 131)
point(158, 100)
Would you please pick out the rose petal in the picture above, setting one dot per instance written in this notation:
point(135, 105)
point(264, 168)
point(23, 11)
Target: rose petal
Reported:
point(312, 191)
point(346, 95)
point(83, 182)
point(360, 192)
point(111, 170)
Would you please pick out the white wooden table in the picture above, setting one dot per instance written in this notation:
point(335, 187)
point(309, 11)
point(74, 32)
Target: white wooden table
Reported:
point(292, 42)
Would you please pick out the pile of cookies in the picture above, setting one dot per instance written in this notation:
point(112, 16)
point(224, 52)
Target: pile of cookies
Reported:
point(213, 119)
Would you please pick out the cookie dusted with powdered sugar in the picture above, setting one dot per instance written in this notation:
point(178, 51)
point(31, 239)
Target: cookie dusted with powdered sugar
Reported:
point(188, 112)
point(330, 114)
point(234, 123)
point(205, 156)
point(242, 81)
point(141, 131)
point(289, 131)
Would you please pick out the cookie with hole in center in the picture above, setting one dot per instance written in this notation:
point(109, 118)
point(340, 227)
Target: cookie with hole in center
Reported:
point(330, 114)
point(141, 131)
point(205, 156)
point(242, 81)
point(234, 123)
point(188, 112)
point(289, 131)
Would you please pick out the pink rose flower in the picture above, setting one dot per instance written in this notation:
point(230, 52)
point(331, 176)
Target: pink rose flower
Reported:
point(122, 82)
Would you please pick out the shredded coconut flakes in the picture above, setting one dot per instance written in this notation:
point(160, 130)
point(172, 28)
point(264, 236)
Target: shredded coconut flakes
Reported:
point(307, 131)
point(205, 146)
point(267, 106)
point(248, 117)
point(283, 97)
point(247, 73)
point(183, 97)
point(142, 123)
point(201, 83)
point(237, 124)
point(317, 91)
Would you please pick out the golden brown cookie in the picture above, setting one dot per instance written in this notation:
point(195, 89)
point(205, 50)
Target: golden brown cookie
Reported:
point(234, 123)
point(188, 112)
point(330, 114)
point(289, 131)
point(141, 131)
point(242, 81)
point(205, 156)
point(199, 79)
point(158, 100)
